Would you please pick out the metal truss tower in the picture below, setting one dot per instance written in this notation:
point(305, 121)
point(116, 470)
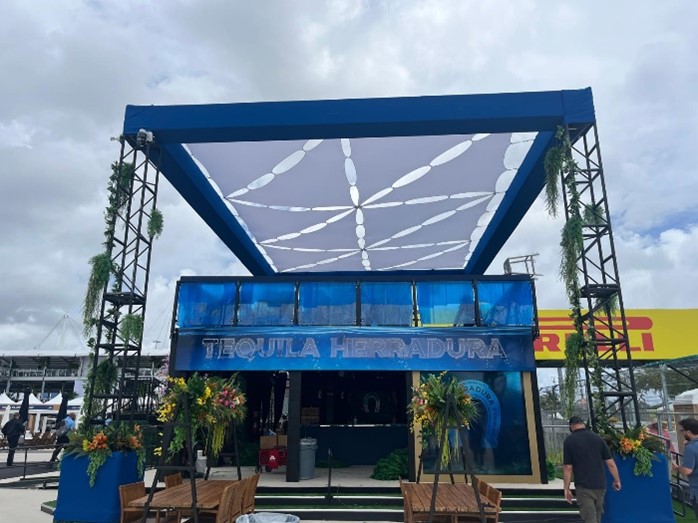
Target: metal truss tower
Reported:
point(128, 393)
point(600, 287)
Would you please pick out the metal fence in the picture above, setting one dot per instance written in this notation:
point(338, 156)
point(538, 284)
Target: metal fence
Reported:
point(555, 429)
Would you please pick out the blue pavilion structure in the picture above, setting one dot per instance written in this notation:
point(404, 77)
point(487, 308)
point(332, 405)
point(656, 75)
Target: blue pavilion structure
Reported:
point(366, 226)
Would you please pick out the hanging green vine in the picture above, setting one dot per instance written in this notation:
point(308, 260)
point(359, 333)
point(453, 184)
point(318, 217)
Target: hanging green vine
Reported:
point(155, 224)
point(594, 215)
point(101, 269)
point(105, 375)
point(580, 346)
point(553, 165)
point(131, 328)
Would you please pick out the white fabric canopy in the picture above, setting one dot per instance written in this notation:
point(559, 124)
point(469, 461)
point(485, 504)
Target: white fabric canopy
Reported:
point(6, 400)
point(75, 403)
point(56, 400)
point(33, 400)
point(414, 202)
point(6, 416)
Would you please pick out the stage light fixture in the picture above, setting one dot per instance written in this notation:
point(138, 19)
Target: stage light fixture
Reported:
point(143, 137)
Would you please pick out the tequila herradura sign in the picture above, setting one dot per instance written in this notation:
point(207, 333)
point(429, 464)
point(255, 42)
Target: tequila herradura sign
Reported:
point(354, 348)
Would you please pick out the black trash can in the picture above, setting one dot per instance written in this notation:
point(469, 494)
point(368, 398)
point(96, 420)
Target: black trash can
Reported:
point(307, 458)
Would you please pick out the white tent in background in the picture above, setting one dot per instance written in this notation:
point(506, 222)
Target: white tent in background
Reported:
point(5, 416)
point(56, 400)
point(6, 400)
point(33, 400)
point(75, 402)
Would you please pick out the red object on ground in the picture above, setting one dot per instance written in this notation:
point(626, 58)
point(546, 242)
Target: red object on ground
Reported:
point(271, 459)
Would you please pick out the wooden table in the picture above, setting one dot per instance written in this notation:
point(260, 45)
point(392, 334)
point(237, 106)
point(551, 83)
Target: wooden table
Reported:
point(208, 495)
point(451, 500)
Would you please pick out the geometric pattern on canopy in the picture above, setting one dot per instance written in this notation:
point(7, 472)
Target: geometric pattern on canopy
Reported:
point(387, 203)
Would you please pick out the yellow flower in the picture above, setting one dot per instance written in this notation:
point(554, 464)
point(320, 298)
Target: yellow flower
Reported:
point(199, 401)
point(157, 451)
point(85, 445)
point(207, 392)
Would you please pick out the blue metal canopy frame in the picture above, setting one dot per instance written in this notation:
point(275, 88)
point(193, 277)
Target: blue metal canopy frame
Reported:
point(540, 112)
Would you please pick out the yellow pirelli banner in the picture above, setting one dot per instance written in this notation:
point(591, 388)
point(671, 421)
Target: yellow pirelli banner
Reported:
point(654, 334)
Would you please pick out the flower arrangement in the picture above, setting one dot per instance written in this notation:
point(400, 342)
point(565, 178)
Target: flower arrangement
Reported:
point(637, 443)
point(214, 404)
point(427, 408)
point(99, 442)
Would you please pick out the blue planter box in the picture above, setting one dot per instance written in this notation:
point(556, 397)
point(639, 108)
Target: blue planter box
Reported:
point(79, 502)
point(641, 498)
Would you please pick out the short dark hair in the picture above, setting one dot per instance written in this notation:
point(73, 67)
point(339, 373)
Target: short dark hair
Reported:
point(690, 424)
point(576, 420)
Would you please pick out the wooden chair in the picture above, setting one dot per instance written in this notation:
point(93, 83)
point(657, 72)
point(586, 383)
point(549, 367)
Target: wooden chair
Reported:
point(248, 494)
point(225, 507)
point(173, 480)
point(236, 503)
point(128, 493)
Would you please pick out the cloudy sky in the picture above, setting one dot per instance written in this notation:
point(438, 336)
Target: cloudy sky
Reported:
point(69, 68)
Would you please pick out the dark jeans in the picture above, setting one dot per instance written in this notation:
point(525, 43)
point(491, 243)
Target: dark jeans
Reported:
point(12, 442)
point(694, 503)
point(62, 440)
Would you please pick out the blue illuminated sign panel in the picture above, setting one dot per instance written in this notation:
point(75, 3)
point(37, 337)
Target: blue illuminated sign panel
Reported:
point(355, 348)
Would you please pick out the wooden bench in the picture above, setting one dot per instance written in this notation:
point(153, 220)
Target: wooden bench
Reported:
point(454, 503)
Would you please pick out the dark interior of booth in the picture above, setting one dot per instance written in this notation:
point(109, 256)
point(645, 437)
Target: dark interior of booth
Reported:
point(358, 416)
point(353, 398)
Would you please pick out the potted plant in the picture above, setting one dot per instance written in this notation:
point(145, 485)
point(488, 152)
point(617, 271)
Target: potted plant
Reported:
point(644, 474)
point(96, 461)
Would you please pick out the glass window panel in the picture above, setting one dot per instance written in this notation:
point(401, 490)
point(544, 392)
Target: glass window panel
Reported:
point(327, 303)
point(446, 304)
point(205, 304)
point(505, 303)
point(266, 303)
point(497, 440)
point(386, 303)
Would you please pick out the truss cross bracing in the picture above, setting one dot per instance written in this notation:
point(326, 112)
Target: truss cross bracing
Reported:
point(600, 287)
point(129, 247)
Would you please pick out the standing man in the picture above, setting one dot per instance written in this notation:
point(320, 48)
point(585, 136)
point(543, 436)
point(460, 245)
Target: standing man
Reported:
point(12, 430)
point(63, 435)
point(585, 454)
point(689, 468)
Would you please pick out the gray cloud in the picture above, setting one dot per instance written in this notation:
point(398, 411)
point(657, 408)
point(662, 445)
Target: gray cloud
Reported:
point(70, 68)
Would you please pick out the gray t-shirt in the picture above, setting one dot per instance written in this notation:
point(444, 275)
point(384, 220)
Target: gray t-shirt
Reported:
point(690, 460)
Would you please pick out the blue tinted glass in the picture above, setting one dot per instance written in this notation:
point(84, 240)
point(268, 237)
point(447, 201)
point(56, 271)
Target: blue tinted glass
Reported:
point(497, 440)
point(205, 304)
point(266, 303)
point(327, 304)
point(445, 303)
point(386, 304)
point(505, 303)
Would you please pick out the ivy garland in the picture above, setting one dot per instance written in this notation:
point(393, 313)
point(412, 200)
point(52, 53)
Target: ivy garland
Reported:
point(131, 328)
point(580, 347)
point(155, 224)
point(119, 189)
point(102, 268)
